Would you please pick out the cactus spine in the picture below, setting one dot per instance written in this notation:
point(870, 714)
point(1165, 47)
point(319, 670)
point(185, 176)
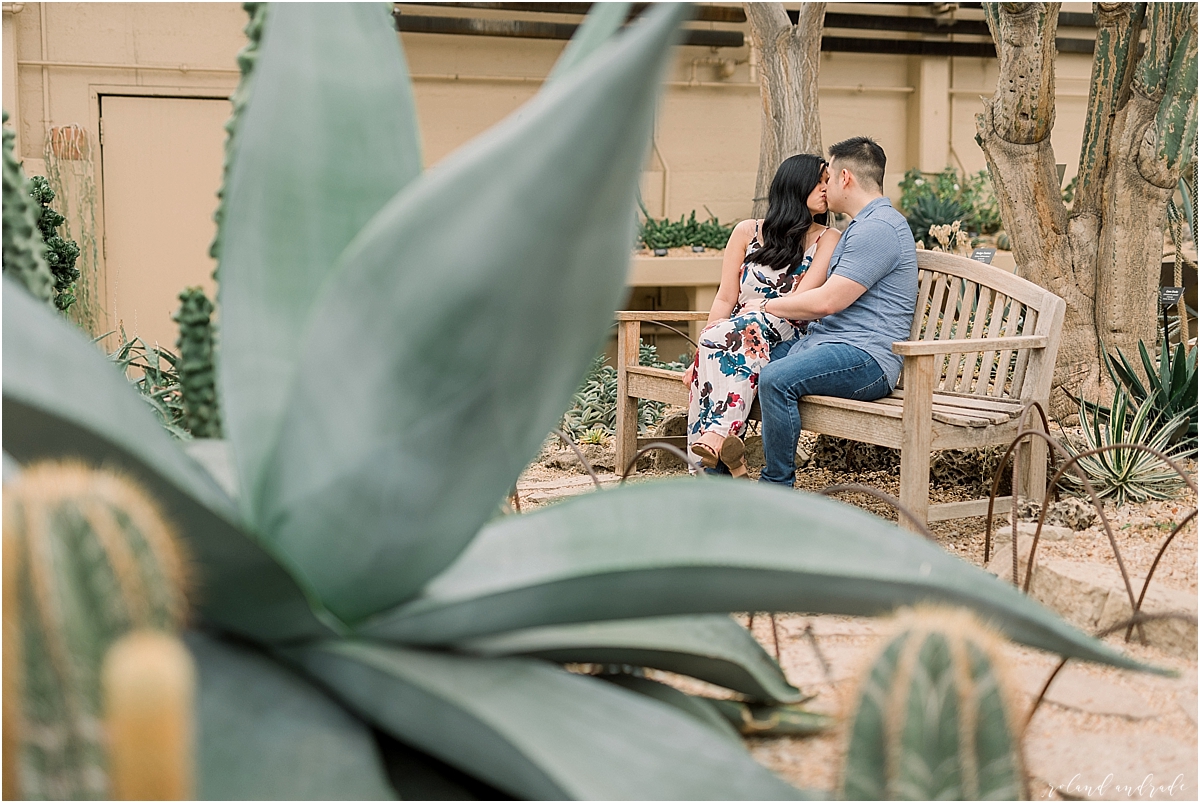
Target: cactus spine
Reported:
point(933, 720)
point(24, 250)
point(197, 373)
point(97, 561)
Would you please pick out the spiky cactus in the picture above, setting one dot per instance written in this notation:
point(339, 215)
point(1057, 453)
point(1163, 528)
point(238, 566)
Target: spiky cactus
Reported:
point(933, 721)
point(197, 374)
point(24, 250)
point(96, 561)
point(61, 253)
point(149, 683)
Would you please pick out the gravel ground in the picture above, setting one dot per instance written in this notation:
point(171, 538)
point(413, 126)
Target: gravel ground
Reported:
point(1072, 751)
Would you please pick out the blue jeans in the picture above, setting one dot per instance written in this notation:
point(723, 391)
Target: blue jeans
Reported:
point(828, 369)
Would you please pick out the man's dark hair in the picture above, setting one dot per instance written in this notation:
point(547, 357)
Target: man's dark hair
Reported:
point(863, 157)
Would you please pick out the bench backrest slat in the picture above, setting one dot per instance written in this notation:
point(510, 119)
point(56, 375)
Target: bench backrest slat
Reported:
point(958, 298)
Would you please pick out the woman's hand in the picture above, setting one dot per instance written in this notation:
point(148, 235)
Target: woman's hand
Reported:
point(689, 374)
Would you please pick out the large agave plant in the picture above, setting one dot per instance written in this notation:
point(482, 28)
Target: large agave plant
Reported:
point(396, 344)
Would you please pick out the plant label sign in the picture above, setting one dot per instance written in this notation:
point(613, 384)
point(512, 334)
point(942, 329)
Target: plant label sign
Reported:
point(983, 255)
point(1169, 296)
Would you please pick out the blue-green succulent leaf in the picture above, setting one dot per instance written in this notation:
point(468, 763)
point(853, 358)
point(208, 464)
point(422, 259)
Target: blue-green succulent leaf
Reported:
point(265, 732)
point(62, 399)
point(328, 138)
point(602, 21)
point(473, 304)
point(711, 648)
point(537, 732)
point(682, 546)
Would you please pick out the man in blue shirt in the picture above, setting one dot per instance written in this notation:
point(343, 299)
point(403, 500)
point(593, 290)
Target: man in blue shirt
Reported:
point(866, 304)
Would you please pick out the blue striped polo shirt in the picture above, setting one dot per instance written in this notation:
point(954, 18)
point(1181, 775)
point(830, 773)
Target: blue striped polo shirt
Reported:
point(877, 251)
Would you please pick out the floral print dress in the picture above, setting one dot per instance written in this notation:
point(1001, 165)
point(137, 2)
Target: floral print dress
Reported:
point(732, 352)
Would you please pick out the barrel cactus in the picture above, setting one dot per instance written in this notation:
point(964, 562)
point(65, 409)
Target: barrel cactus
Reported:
point(95, 562)
point(934, 721)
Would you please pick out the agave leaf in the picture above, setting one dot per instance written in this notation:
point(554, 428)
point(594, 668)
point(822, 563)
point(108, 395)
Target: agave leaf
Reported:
point(697, 707)
point(752, 719)
point(602, 21)
point(63, 399)
point(535, 731)
point(715, 649)
point(474, 303)
point(683, 546)
point(329, 138)
point(266, 733)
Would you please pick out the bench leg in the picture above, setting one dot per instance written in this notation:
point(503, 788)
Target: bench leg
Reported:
point(629, 335)
point(1032, 454)
point(917, 425)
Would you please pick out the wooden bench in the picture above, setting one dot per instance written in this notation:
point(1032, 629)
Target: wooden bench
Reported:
point(983, 346)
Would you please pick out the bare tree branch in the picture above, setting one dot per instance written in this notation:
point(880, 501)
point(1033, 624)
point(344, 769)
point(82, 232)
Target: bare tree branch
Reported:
point(1024, 101)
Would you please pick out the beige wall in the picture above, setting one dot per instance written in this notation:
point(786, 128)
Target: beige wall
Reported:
point(62, 59)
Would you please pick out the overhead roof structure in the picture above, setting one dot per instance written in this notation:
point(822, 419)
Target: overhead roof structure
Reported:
point(936, 29)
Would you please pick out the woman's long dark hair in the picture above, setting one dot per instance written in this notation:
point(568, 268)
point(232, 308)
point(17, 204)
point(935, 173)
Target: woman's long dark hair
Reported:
point(788, 215)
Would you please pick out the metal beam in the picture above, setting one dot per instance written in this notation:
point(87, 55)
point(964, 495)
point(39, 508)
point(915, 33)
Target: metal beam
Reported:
point(526, 29)
point(702, 13)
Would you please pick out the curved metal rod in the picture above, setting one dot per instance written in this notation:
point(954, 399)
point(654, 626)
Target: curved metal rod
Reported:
point(1136, 619)
point(882, 497)
point(1072, 463)
point(665, 326)
point(660, 446)
point(1146, 584)
point(579, 453)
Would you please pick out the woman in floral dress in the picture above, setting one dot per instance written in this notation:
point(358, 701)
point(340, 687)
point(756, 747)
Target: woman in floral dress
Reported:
point(787, 251)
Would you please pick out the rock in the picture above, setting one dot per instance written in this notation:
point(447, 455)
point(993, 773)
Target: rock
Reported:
point(754, 452)
point(1001, 562)
point(1026, 529)
point(672, 426)
point(1103, 766)
point(601, 458)
point(1072, 513)
point(1075, 688)
point(1092, 596)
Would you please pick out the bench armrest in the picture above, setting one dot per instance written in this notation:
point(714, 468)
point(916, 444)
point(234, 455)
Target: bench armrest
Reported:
point(917, 348)
point(661, 315)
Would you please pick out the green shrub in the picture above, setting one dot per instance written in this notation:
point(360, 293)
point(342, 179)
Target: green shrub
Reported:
point(686, 231)
point(594, 405)
point(942, 198)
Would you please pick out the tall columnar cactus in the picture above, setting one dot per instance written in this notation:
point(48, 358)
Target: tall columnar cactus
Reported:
point(197, 376)
point(933, 720)
point(61, 253)
point(97, 562)
point(247, 57)
point(24, 250)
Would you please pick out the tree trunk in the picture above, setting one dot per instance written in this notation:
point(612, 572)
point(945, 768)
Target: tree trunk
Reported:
point(1103, 256)
point(789, 62)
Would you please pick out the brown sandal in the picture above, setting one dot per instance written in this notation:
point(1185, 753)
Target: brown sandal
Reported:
point(708, 458)
point(733, 455)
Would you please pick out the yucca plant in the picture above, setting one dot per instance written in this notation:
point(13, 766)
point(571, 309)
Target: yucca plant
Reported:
point(1127, 475)
point(1170, 388)
point(395, 345)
